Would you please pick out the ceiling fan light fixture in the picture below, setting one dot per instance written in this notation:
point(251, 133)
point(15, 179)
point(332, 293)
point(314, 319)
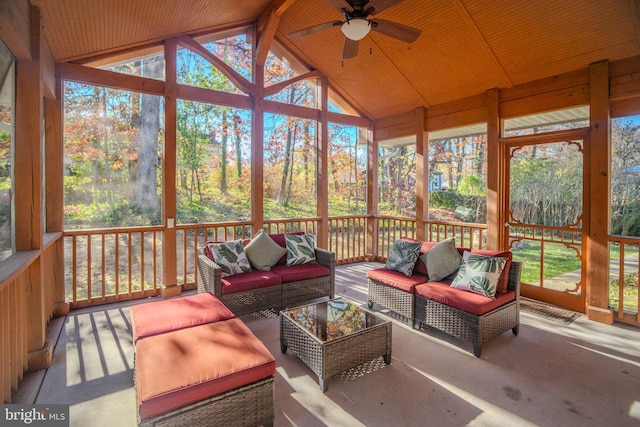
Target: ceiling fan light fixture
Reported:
point(356, 29)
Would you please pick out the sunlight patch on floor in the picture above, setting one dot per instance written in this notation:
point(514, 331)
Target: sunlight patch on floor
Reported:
point(308, 395)
point(491, 414)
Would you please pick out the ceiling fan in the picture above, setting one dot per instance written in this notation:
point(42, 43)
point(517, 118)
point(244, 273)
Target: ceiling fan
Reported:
point(357, 24)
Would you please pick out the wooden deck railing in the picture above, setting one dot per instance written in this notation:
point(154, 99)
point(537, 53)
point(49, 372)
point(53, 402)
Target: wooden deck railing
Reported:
point(624, 297)
point(348, 238)
point(117, 264)
point(467, 235)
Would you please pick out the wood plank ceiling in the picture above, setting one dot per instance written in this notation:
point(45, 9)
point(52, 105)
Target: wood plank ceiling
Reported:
point(466, 46)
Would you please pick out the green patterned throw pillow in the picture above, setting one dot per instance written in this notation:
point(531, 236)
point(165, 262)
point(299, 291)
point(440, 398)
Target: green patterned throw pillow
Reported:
point(300, 248)
point(230, 256)
point(479, 274)
point(403, 256)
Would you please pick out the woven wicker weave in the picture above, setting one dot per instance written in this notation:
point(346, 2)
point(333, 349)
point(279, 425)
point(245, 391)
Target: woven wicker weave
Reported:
point(250, 405)
point(328, 358)
point(271, 297)
point(477, 330)
point(394, 299)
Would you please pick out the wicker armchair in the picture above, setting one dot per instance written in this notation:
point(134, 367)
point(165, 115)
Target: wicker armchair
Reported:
point(478, 330)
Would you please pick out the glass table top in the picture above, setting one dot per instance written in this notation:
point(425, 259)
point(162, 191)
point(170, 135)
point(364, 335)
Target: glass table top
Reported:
point(332, 319)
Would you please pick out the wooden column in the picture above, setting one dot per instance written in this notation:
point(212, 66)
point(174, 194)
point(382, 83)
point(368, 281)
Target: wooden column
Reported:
point(322, 172)
point(496, 212)
point(54, 189)
point(170, 285)
point(422, 172)
point(257, 152)
point(597, 200)
point(28, 189)
point(372, 199)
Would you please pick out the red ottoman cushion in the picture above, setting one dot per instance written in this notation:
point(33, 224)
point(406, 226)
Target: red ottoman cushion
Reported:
point(188, 365)
point(169, 315)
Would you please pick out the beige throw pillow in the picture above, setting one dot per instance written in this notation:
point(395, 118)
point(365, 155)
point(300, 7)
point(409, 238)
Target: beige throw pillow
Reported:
point(442, 260)
point(263, 252)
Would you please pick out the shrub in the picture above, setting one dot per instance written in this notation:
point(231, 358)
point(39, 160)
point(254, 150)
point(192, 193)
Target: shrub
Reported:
point(444, 199)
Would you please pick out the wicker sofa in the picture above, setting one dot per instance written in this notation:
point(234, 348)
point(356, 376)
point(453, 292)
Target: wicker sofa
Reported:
point(281, 286)
point(435, 305)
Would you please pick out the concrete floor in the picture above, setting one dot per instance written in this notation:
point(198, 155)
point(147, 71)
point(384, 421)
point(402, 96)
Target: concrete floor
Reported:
point(551, 374)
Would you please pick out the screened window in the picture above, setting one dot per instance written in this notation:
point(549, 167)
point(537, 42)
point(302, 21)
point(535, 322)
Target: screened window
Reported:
point(7, 84)
point(302, 92)
point(144, 64)
point(458, 174)
point(112, 147)
point(397, 180)
point(290, 189)
point(213, 163)
point(347, 161)
point(625, 176)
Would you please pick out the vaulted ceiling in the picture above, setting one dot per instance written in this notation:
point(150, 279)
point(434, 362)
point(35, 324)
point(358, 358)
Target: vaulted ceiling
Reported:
point(466, 46)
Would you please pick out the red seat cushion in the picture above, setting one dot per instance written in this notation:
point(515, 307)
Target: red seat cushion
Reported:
point(251, 280)
point(294, 273)
point(504, 277)
point(396, 279)
point(463, 300)
point(188, 365)
point(169, 315)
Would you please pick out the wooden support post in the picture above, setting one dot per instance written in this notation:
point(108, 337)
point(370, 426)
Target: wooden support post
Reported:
point(597, 200)
point(54, 183)
point(322, 173)
point(496, 211)
point(257, 153)
point(372, 200)
point(170, 285)
point(422, 173)
point(29, 227)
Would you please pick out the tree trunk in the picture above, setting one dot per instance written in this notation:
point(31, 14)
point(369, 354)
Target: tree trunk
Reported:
point(223, 152)
point(145, 196)
point(285, 168)
point(236, 130)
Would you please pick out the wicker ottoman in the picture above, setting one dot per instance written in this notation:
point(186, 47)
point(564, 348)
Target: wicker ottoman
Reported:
point(212, 374)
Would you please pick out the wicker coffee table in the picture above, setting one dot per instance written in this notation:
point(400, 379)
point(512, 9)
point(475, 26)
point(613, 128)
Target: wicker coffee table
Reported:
point(333, 336)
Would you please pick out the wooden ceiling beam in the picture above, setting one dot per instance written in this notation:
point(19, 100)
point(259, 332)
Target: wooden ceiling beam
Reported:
point(273, 89)
point(238, 80)
point(267, 26)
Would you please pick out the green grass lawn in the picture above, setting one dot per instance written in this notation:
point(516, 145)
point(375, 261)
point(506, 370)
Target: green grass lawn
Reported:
point(559, 259)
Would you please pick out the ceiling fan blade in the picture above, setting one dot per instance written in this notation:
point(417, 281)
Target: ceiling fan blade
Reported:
point(314, 29)
point(340, 4)
point(349, 48)
point(397, 31)
point(380, 5)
